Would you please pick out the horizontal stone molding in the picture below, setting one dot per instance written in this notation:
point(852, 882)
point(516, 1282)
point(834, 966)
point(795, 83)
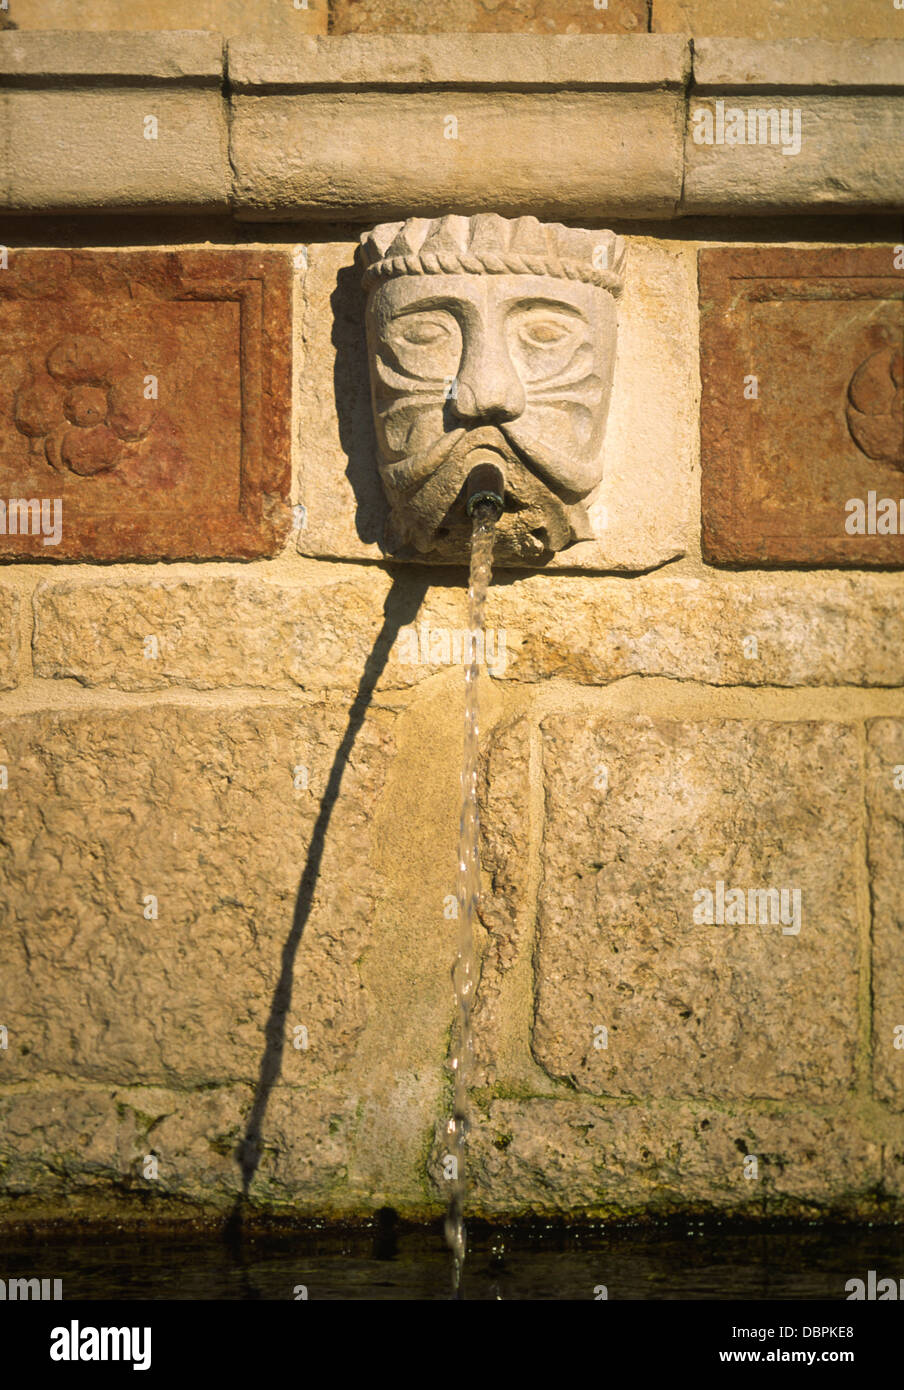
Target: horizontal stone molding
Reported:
point(451, 62)
point(386, 127)
point(113, 123)
point(369, 126)
point(187, 57)
point(723, 65)
point(789, 630)
point(800, 124)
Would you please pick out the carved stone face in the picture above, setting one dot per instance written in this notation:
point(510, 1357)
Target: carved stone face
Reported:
point(517, 366)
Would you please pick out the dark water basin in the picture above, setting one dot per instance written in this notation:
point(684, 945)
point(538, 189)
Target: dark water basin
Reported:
point(539, 1262)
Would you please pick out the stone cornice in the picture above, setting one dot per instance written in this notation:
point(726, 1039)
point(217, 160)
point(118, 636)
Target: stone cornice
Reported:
point(369, 127)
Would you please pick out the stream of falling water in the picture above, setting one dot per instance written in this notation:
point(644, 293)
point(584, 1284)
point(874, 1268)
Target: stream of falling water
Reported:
point(484, 521)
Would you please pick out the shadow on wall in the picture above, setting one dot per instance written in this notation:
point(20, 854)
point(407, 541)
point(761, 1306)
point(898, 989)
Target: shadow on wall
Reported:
point(351, 381)
point(399, 610)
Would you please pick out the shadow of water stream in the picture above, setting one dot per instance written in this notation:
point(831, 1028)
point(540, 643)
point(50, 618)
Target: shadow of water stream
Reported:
point(399, 610)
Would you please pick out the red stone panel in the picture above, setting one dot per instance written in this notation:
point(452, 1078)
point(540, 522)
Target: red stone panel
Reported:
point(149, 393)
point(802, 415)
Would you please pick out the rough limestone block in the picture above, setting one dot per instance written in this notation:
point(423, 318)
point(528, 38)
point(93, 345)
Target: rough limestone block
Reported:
point(76, 109)
point(277, 21)
point(842, 145)
point(893, 1169)
point(9, 637)
point(549, 1156)
point(505, 862)
point(488, 16)
point(885, 799)
point(145, 404)
point(810, 62)
point(778, 19)
point(727, 629)
point(210, 812)
point(643, 815)
point(802, 414)
point(76, 1141)
point(49, 1138)
point(643, 512)
point(809, 629)
point(336, 127)
point(211, 633)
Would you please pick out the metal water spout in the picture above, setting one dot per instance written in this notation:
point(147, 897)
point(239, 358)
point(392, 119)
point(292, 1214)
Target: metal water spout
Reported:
point(486, 486)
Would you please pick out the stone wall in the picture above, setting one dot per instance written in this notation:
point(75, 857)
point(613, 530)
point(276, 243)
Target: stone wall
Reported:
point(229, 804)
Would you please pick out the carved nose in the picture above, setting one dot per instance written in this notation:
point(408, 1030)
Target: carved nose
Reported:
point(488, 388)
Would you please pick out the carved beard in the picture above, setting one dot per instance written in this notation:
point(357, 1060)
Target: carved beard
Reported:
point(431, 483)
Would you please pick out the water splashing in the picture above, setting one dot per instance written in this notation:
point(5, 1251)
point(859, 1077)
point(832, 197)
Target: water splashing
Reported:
point(484, 516)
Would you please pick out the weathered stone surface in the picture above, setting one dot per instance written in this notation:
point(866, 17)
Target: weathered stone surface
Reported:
point(83, 150)
point(238, 631)
point(642, 512)
point(78, 106)
point(77, 1141)
point(166, 57)
point(149, 395)
point(802, 416)
point(550, 1156)
point(9, 636)
point(641, 816)
point(736, 64)
point(809, 629)
point(488, 16)
point(333, 126)
point(840, 147)
point(210, 811)
point(777, 19)
point(277, 21)
point(505, 862)
point(398, 61)
point(848, 157)
point(885, 800)
point(893, 1169)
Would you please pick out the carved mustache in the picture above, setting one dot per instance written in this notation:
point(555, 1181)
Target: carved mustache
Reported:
point(567, 478)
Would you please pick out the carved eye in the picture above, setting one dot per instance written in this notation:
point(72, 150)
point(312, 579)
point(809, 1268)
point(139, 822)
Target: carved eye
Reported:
point(543, 333)
point(424, 331)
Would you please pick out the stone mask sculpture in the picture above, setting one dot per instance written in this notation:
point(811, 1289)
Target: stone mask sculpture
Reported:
point(490, 341)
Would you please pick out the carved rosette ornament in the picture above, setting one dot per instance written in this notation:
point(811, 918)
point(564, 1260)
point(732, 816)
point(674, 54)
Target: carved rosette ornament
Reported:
point(84, 405)
point(490, 339)
point(875, 407)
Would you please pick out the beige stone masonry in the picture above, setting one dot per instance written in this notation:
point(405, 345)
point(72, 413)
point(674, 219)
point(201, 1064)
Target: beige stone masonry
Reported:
point(148, 837)
point(885, 799)
point(377, 127)
point(307, 1141)
point(843, 145)
point(716, 1008)
point(280, 21)
point(779, 19)
point(757, 629)
point(798, 64)
point(76, 110)
point(478, 16)
point(190, 56)
point(622, 1158)
point(9, 627)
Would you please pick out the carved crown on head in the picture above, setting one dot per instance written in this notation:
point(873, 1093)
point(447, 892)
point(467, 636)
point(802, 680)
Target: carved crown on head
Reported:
point(487, 244)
